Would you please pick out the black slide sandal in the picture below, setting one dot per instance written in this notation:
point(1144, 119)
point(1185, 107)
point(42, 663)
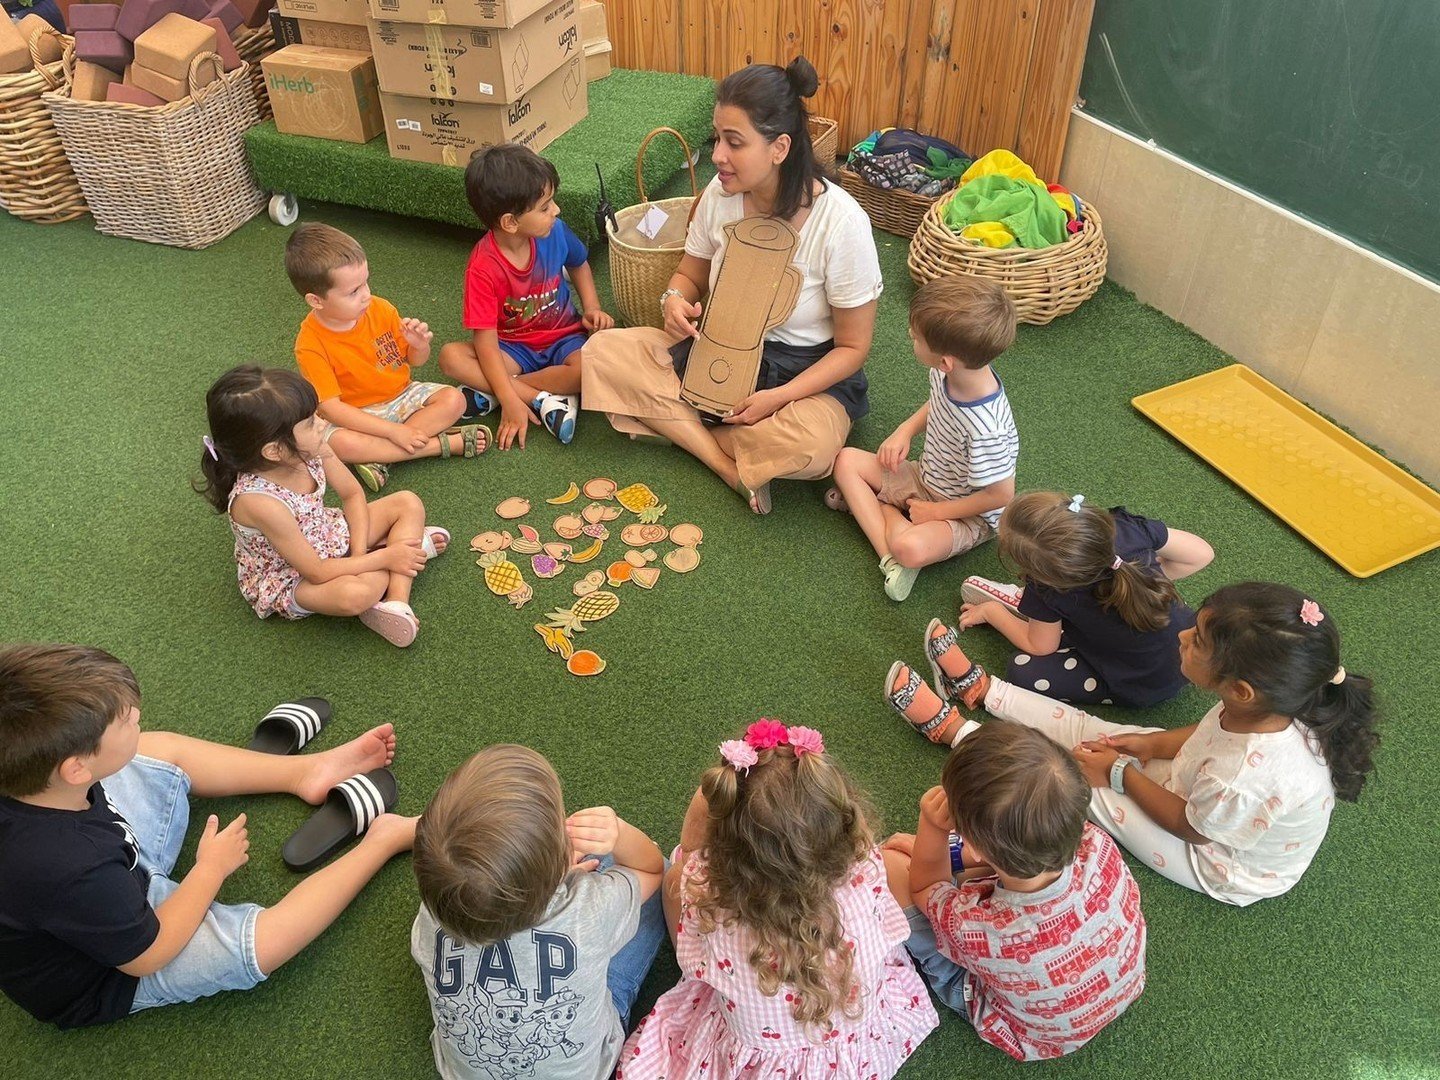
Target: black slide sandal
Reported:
point(349, 809)
point(286, 728)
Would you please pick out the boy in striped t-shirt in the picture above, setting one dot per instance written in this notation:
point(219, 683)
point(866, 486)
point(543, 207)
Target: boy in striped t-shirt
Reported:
point(919, 513)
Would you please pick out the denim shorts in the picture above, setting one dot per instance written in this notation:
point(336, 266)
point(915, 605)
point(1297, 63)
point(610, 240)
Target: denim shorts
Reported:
point(531, 360)
point(153, 796)
point(399, 408)
point(949, 981)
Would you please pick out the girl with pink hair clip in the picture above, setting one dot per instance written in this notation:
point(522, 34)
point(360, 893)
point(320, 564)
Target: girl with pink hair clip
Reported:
point(790, 944)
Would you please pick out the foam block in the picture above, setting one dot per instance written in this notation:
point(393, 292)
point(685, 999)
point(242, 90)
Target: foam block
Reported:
point(91, 82)
point(223, 45)
point(93, 16)
point(228, 14)
point(47, 45)
point(162, 86)
point(14, 53)
point(131, 95)
point(104, 47)
point(255, 12)
point(195, 9)
point(137, 16)
point(170, 45)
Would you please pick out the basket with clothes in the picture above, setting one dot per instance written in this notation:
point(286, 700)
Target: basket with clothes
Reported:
point(896, 175)
point(1039, 242)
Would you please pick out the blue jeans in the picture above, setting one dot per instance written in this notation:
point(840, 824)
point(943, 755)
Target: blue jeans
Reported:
point(948, 980)
point(631, 964)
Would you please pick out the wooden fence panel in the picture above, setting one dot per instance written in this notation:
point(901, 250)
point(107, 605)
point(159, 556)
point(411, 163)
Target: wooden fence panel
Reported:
point(982, 73)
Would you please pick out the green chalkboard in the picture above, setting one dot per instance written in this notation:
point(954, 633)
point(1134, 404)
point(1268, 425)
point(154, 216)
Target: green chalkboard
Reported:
point(1330, 108)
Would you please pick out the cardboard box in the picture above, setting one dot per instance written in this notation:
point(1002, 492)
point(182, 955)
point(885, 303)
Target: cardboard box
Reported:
point(449, 132)
point(349, 12)
point(592, 22)
point(459, 63)
point(291, 31)
point(91, 82)
point(327, 93)
point(171, 44)
point(597, 61)
point(47, 45)
point(494, 13)
point(93, 16)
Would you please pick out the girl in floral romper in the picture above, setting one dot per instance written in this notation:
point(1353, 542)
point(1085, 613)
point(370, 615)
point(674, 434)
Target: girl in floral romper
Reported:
point(266, 465)
point(790, 945)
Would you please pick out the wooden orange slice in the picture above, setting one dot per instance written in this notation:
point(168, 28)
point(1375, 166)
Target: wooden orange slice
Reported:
point(687, 535)
point(617, 573)
point(569, 526)
point(643, 535)
point(584, 662)
point(600, 488)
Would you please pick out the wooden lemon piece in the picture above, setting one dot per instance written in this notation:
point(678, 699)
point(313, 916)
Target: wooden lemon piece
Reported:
point(682, 559)
point(571, 494)
point(646, 576)
point(600, 488)
point(569, 526)
point(687, 535)
point(514, 507)
point(584, 662)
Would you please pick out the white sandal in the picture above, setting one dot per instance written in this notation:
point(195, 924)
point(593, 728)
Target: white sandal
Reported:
point(394, 620)
point(427, 543)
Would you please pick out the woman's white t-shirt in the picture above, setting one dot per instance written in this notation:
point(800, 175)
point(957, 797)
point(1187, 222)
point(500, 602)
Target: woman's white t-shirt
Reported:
point(836, 255)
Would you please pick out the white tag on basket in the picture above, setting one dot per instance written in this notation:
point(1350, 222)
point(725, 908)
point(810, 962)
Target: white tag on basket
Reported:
point(652, 222)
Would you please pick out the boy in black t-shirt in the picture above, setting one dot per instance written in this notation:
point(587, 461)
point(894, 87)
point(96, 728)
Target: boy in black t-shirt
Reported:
point(92, 817)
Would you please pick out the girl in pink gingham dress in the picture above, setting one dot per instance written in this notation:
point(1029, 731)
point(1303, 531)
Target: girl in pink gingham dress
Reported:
point(780, 848)
point(267, 467)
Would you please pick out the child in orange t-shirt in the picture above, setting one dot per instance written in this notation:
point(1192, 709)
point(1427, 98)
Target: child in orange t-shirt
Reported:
point(357, 352)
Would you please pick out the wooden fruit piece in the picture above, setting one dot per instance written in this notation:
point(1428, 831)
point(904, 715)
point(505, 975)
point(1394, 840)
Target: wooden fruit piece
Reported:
point(597, 512)
point(599, 488)
point(646, 576)
point(643, 535)
point(546, 566)
point(687, 535)
point(559, 551)
point(514, 507)
point(617, 573)
point(589, 583)
point(571, 494)
point(584, 662)
point(682, 559)
point(635, 558)
point(636, 497)
point(490, 541)
point(587, 554)
point(528, 542)
point(597, 531)
point(569, 526)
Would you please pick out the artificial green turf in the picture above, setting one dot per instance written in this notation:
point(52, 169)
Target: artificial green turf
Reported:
point(111, 346)
point(624, 108)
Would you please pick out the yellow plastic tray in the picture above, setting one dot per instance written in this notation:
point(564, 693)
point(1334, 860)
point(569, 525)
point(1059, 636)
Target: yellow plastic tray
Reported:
point(1363, 511)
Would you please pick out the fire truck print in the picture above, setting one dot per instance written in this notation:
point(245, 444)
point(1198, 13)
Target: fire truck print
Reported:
point(1131, 957)
point(1019, 983)
point(1101, 887)
point(976, 943)
point(1047, 934)
point(1080, 995)
point(1071, 965)
point(1093, 1019)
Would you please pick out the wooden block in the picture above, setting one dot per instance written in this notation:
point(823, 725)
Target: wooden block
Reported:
point(47, 44)
point(132, 95)
point(91, 82)
point(228, 14)
point(168, 47)
point(14, 53)
point(93, 17)
point(223, 45)
point(107, 48)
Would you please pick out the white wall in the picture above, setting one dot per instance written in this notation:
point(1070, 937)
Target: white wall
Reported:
point(1342, 329)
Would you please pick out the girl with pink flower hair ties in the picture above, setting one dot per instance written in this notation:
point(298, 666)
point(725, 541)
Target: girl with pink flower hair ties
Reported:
point(790, 945)
point(1235, 806)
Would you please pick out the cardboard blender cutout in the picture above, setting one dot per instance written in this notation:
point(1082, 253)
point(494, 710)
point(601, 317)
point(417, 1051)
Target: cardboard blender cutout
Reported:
point(755, 292)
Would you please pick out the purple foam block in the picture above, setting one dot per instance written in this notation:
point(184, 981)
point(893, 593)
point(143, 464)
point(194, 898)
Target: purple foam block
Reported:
point(104, 47)
point(93, 17)
point(229, 16)
point(195, 9)
point(137, 16)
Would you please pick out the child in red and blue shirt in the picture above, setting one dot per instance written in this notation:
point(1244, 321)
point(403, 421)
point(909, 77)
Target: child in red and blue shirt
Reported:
point(524, 354)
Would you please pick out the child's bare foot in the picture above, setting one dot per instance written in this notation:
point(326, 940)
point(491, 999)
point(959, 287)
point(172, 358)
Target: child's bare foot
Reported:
point(937, 720)
point(371, 750)
point(956, 676)
point(393, 833)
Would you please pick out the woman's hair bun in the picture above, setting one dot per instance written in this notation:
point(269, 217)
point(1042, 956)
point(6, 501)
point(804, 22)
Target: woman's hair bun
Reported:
point(802, 77)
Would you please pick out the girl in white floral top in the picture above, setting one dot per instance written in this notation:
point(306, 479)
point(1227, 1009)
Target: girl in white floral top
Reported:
point(266, 465)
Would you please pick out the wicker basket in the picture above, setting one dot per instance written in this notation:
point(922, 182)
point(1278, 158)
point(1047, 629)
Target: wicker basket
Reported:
point(172, 174)
point(893, 209)
point(252, 45)
point(1044, 283)
point(641, 269)
point(36, 181)
point(825, 138)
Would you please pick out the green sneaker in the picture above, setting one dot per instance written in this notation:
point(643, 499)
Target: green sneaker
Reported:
point(899, 580)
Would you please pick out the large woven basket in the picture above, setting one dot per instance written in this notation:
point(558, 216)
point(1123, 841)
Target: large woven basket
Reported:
point(36, 181)
point(825, 138)
point(253, 45)
point(894, 210)
point(172, 174)
point(1044, 283)
point(641, 269)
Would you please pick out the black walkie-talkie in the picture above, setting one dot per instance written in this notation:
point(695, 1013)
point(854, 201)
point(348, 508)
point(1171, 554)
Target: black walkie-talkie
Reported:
point(604, 212)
